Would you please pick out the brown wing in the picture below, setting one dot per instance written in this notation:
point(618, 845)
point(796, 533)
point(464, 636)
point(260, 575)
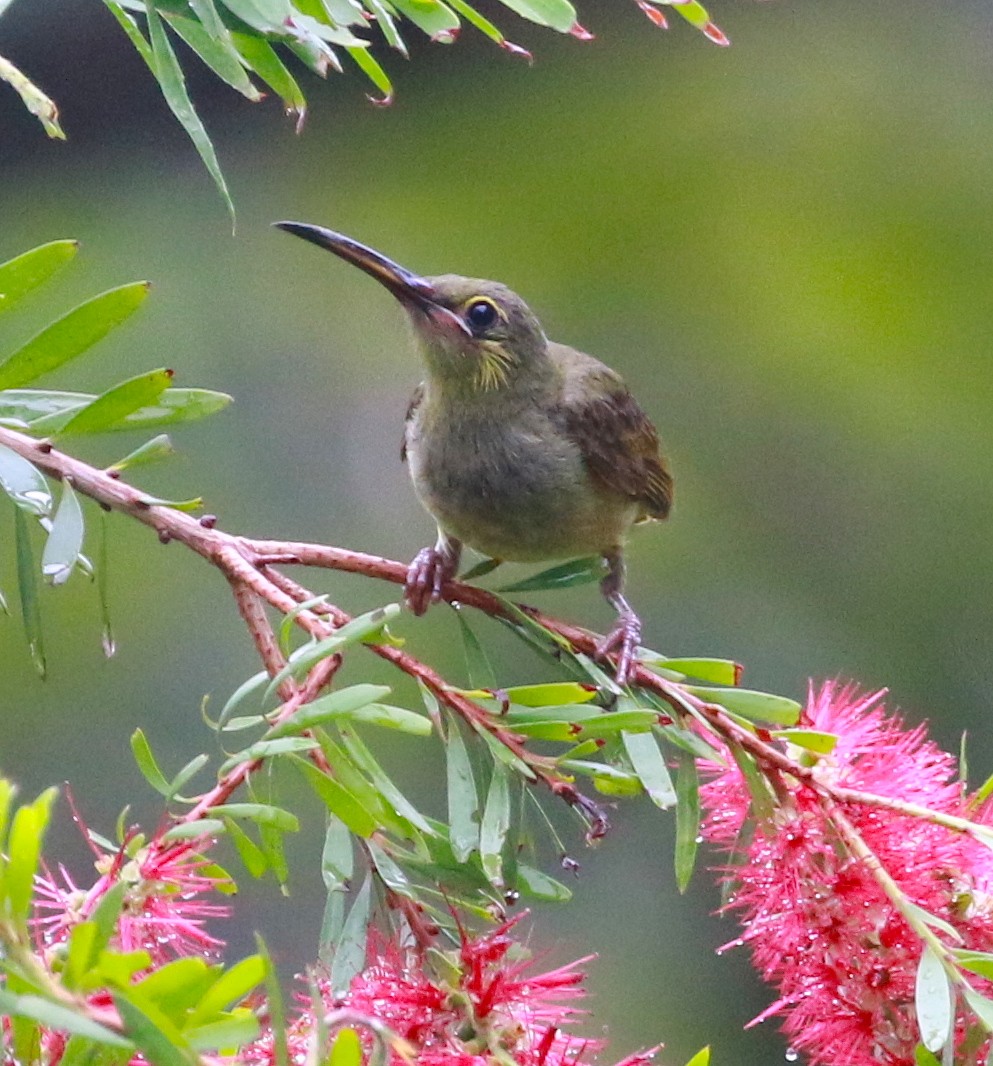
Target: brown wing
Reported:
point(415, 402)
point(618, 441)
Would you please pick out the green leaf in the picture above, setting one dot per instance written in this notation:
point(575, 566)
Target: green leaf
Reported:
point(565, 575)
point(715, 671)
point(981, 1007)
point(251, 855)
point(157, 1037)
point(337, 856)
point(274, 1003)
point(65, 538)
point(494, 826)
point(478, 668)
point(932, 920)
point(56, 1016)
point(555, 694)
point(20, 275)
point(71, 335)
point(342, 703)
point(436, 19)
point(24, 483)
point(230, 988)
point(923, 1057)
point(558, 14)
point(149, 768)
point(103, 589)
point(701, 1058)
point(763, 803)
point(267, 749)
point(346, 1049)
point(27, 831)
point(980, 962)
point(756, 706)
point(151, 451)
point(538, 885)
point(687, 819)
point(305, 658)
point(373, 70)
point(27, 586)
point(350, 951)
point(202, 827)
point(111, 409)
point(227, 1032)
point(809, 739)
point(342, 803)
point(189, 771)
point(646, 758)
point(485, 566)
point(260, 813)
point(264, 61)
point(169, 75)
point(463, 799)
point(266, 16)
point(217, 51)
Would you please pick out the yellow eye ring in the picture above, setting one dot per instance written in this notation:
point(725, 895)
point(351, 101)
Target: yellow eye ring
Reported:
point(481, 313)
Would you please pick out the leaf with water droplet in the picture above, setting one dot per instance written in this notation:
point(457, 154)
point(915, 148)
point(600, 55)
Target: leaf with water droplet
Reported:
point(24, 483)
point(65, 539)
point(933, 1001)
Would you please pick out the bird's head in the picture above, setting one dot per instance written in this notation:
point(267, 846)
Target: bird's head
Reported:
point(472, 333)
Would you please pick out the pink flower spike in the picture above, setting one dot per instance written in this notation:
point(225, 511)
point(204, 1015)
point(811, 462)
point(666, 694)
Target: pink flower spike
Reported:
point(819, 925)
point(164, 912)
point(474, 1006)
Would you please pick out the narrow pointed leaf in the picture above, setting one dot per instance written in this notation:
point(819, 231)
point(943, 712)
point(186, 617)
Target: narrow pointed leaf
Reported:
point(65, 538)
point(27, 271)
point(339, 704)
point(350, 951)
point(646, 758)
point(565, 575)
point(156, 1036)
point(714, 671)
point(481, 569)
point(55, 1016)
point(170, 77)
point(687, 819)
point(27, 585)
point(756, 706)
point(217, 52)
point(151, 451)
point(111, 408)
point(434, 18)
point(538, 885)
point(463, 799)
point(558, 14)
point(266, 16)
point(339, 800)
point(933, 1002)
point(103, 588)
point(274, 1005)
point(147, 764)
point(71, 335)
point(494, 826)
point(811, 739)
point(261, 57)
point(249, 852)
point(478, 668)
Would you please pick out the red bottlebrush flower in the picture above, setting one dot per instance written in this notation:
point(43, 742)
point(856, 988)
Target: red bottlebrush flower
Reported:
point(477, 1006)
point(163, 912)
point(818, 923)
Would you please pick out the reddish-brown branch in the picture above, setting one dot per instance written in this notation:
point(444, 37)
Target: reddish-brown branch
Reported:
point(251, 564)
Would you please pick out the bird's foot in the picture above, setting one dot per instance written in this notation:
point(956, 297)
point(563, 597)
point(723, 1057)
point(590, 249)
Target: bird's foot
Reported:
point(623, 639)
point(426, 575)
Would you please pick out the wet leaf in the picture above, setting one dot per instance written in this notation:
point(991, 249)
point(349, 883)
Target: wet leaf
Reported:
point(933, 1001)
point(24, 483)
point(65, 538)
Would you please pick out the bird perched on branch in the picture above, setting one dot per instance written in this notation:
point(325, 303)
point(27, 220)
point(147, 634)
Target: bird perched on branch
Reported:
point(520, 448)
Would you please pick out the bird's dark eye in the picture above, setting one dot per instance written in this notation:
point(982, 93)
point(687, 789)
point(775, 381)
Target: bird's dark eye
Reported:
point(481, 315)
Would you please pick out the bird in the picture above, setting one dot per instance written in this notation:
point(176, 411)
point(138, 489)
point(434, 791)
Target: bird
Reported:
point(520, 448)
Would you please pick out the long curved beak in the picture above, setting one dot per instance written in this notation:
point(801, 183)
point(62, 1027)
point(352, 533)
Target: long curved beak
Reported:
point(407, 287)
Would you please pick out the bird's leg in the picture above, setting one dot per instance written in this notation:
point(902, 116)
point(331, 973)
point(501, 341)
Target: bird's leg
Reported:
point(625, 637)
point(431, 568)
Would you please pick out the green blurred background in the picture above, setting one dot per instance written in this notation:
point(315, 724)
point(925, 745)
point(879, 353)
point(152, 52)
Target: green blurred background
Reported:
point(787, 249)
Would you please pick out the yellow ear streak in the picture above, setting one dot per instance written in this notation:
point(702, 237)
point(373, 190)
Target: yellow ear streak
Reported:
point(494, 362)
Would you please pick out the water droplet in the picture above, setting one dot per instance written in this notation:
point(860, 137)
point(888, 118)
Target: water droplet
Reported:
point(791, 1054)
